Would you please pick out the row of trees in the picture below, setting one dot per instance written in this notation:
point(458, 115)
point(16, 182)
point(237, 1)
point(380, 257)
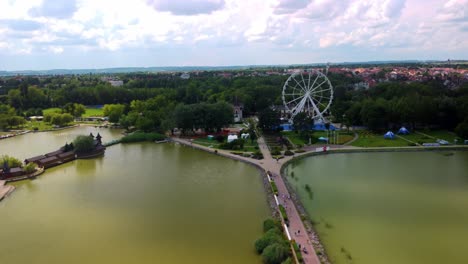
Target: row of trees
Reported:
point(205, 116)
point(391, 105)
point(163, 101)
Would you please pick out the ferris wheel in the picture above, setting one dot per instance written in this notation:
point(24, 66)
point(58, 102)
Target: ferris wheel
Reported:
point(307, 91)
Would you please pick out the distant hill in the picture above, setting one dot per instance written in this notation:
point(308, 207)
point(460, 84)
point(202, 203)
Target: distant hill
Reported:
point(207, 68)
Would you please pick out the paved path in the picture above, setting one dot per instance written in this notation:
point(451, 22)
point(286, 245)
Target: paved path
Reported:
point(296, 228)
point(5, 189)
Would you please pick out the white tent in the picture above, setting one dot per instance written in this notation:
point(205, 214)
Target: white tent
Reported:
point(245, 135)
point(231, 138)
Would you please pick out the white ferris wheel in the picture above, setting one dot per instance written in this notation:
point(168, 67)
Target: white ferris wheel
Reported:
point(308, 91)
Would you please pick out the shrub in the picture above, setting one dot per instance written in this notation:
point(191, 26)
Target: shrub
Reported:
point(288, 261)
point(276, 151)
point(274, 188)
point(141, 136)
point(275, 253)
point(257, 155)
point(83, 144)
point(220, 138)
point(11, 161)
point(270, 237)
point(30, 167)
point(288, 153)
point(270, 224)
point(298, 252)
point(283, 213)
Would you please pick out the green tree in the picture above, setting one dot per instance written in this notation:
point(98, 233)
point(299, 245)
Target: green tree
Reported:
point(275, 253)
point(302, 122)
point(11, 161)
point(268, 119)
point(462, 129)
point(114, 111)
point(83, 144)
point(76, 110)
point(30, 167)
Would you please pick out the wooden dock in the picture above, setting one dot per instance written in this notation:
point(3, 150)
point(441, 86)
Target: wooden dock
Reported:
point(5, 190)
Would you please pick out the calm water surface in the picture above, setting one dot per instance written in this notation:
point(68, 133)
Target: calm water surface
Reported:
point(387, 208)
point(140, 203)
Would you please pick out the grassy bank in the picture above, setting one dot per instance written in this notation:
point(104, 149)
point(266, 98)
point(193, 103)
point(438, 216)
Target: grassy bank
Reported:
point(142, 136)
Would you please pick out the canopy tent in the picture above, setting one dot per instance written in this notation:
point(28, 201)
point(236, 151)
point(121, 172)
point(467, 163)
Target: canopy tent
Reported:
point(231, 138)
point(403, 131)
point(389, 135)
point(323, 139)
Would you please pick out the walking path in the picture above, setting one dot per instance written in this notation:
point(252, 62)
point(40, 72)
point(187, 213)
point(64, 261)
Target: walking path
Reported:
point(5, 189)
point(296, 227)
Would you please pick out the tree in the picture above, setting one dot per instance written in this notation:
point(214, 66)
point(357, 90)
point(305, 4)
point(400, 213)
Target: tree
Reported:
point(83, 144)
point(268, 119)
point(462, 129)
point(76, 110)
point(184, 117)
point(275, 253)
point(114, 111)
point(11, 161)
point(301, 121)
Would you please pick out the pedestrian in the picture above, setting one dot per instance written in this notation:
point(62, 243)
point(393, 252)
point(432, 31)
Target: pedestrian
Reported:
point(298, 232)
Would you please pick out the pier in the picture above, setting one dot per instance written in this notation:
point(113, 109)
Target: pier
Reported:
point(5, 190)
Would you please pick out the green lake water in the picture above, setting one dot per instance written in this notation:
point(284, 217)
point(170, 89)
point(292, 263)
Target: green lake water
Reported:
point(140, 203)
point(387, 208)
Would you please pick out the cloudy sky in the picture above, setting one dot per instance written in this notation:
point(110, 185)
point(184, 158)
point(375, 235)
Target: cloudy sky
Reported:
point(49, 34)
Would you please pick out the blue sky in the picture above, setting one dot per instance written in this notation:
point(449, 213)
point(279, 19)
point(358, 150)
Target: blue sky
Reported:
point(49, 34)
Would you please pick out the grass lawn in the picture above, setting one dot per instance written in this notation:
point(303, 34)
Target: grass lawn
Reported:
point(52, 110)
point(248, 146)
point(93, 112)
point(89, 111)
point(441, 134)
point(369, 139)
point(41, 125)
point(294, 137)
point(418, 138)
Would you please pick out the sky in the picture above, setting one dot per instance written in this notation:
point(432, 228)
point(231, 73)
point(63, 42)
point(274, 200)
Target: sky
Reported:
point(77, 34)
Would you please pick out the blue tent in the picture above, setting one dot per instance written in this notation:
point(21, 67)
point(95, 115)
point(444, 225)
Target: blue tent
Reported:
point(389, 135)
point(321, 127)
point(403, 131)
point(286, 127)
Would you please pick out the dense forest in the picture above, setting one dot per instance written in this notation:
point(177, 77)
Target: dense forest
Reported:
point(164, 101)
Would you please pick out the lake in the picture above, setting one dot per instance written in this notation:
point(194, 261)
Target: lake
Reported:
point(139, 203)
point(387, 208)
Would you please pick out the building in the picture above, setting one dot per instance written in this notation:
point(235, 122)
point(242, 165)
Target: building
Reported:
point(11, 172)
point(185, 76)
point(116, 83)
point(238, 115)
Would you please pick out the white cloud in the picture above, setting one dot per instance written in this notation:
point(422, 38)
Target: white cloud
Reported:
point(187, 8)
point(286, 31)
point(56, 49)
